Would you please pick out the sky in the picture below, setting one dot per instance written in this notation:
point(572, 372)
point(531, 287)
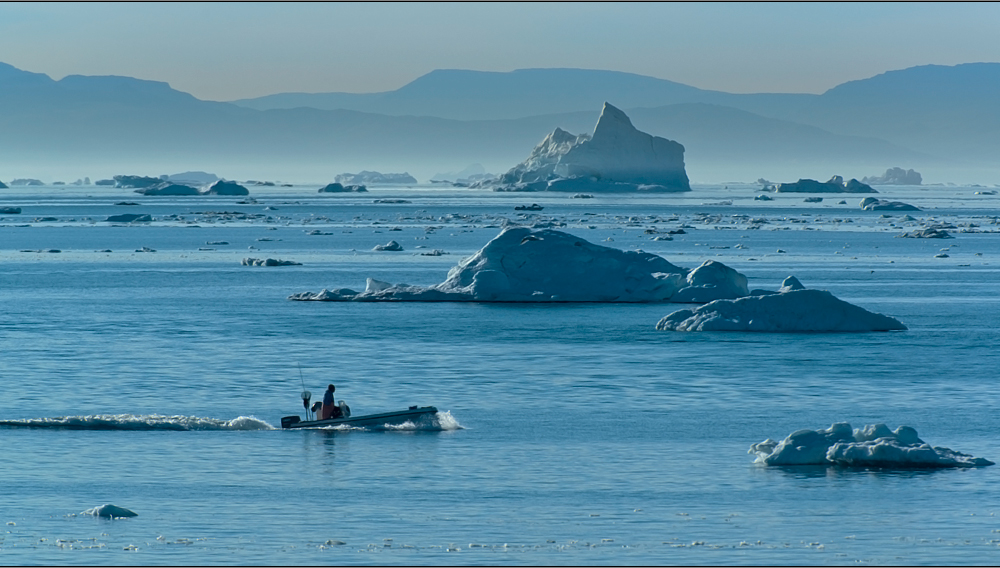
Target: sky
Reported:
point(232, 51)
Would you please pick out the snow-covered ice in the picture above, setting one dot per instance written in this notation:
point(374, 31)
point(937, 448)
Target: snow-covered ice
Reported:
point(791, 310)
point(616, 157)
point(873, 204)
point(545, 265)
point(872, 446)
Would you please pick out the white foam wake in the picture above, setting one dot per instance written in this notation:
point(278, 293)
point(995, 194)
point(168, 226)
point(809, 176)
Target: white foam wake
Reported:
point(139, 422)
point(440, 422)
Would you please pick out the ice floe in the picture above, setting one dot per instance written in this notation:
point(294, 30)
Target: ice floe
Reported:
point(269, 262)
point(546, 265)
point(792, 309)
point(873, 204)
point(129, 218)
point(872, 446)
point(928, 233)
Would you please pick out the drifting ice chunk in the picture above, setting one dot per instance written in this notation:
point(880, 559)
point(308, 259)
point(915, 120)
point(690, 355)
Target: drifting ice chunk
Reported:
point(269, 262)
point(872, 204)
point(389, 246)
point(872, 446)
point(110, 511)
point(791, 310)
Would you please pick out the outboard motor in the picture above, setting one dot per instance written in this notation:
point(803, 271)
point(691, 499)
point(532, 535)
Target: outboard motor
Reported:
point(288, 421)
point(306, 395)
point(345, 411)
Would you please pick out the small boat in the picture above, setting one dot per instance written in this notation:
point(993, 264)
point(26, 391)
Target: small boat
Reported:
point(397, 418)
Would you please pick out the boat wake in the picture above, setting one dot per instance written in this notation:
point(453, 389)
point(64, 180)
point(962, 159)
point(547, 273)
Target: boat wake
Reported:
point(440, 422)
point(139, 422)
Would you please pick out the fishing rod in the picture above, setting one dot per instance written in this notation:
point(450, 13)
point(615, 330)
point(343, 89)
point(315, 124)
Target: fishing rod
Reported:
point(306, 395)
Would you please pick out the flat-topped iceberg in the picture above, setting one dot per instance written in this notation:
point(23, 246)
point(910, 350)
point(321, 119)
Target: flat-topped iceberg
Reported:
point(374, 178)
point(835, 184)
point(616, 157)
point(545, 265)
point(872, 446)
point(792, 309)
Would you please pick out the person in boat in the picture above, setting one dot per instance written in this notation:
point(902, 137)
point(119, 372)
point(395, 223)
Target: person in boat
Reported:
point(330, 410)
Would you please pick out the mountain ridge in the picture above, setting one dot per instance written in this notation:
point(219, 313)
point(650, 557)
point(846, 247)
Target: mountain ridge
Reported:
point(114, 119)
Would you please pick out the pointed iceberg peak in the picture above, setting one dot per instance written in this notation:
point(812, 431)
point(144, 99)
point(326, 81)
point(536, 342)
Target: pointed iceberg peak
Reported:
point(613, 119)
point(617, 157)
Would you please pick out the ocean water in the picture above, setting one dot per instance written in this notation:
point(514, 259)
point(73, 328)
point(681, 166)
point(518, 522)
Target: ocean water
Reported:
point(569, 433)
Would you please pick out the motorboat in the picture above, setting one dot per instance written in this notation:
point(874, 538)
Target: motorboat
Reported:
point(412, 414)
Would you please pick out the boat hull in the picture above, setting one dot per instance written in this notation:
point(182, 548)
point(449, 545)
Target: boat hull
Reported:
point(368, 421)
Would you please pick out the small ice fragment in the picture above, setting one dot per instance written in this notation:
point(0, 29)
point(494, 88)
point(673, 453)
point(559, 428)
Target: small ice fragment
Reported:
point(110, 511)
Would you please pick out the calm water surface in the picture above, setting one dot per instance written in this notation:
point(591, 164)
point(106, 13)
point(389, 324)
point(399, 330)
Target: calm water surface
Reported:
point(587, 437)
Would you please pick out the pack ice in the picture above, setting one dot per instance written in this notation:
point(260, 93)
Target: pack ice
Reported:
point(793, 309)
point(872, 446)
point(545, 265)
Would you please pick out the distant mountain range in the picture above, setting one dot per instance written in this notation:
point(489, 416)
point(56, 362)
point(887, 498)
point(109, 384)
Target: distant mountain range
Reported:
point(923, 117)
point(952, 112)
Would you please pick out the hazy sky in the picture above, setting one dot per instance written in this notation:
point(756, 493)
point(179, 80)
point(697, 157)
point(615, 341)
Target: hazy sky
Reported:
point(231, 51)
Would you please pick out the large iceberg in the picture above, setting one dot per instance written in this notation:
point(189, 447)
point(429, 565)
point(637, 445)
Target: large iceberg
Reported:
point(792, 310)
point(544, 265)
point(616, 157)
point(872, 446)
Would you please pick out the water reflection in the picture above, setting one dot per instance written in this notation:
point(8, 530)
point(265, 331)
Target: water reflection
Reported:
point(847, 472)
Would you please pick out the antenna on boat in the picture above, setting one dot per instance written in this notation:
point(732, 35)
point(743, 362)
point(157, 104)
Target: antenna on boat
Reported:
point(306, 395)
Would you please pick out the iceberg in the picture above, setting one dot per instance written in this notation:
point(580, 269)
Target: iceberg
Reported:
point(223, 187)
point(616, 157)
point(836, 184)
point(792, 309)
point(341, 188)
point(895, 176)
point(872, 446)
point(872, 204)
point(366, 177)
point(545, 265)
point(192, 178)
